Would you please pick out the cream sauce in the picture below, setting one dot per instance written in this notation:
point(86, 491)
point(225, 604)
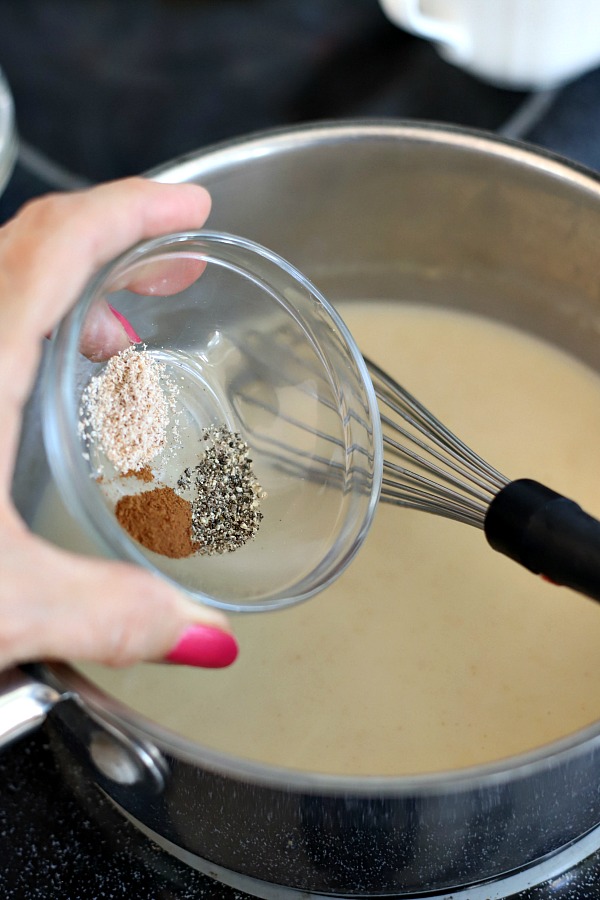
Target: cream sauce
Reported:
point(431, 652)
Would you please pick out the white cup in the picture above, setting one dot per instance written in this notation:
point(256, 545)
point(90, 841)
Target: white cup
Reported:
point(519, 44)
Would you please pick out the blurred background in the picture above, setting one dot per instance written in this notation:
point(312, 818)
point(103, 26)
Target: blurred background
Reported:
point(108, 88)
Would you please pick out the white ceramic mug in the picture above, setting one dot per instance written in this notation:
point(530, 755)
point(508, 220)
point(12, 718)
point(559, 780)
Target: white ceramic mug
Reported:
point(522, 44)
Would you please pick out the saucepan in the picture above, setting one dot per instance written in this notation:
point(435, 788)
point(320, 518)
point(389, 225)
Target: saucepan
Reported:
point(8, 133)
point(377, 210)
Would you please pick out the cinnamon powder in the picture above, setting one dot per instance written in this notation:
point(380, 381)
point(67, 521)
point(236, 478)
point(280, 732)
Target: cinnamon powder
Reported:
point(160, 520)
point(146, 474)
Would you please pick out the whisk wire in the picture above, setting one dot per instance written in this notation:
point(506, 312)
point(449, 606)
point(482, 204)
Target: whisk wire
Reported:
point(426, 464)
point(418, 485)
point(433, 449)
point(464, 484)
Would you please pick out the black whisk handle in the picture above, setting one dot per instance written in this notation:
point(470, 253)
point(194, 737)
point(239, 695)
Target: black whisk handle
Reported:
point(547, 533)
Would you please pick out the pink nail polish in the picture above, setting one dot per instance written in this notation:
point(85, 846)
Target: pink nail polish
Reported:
point(206, 647)
point(129, 329)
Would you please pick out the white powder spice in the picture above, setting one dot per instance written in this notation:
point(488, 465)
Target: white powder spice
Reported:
point(126, 409)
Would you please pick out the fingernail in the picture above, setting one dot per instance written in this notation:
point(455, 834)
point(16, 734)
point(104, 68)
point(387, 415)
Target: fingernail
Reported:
point(129, 329)
point(203, 646)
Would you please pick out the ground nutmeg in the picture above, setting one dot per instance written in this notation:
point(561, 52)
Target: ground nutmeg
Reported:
point(160, 520)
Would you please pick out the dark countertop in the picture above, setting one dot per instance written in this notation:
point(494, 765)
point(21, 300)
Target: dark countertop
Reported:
point(109, 88)
point(60, 840)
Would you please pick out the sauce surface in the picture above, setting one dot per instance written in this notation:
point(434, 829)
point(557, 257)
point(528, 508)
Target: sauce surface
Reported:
point(431, 652)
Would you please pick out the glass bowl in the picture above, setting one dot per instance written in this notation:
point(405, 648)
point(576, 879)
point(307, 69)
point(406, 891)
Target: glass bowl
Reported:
point(245, 344)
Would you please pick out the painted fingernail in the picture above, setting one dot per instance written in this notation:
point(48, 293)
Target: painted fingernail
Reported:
point(206, 647)
point(129, 329)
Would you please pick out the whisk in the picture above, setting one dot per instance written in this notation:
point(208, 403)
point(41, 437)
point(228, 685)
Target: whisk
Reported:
point(426, 467)
point(545, 532)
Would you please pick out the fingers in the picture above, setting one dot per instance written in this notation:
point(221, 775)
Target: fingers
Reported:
point(47, 254)
point(101, 335)
point(54, 604)
point(162, 278)
point(75, 608)
point(50, 249)
point(106, 332)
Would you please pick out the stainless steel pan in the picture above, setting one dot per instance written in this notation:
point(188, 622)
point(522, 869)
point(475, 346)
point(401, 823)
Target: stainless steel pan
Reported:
point(366, 210)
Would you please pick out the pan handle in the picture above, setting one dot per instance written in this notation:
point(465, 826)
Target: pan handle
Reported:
point(115, 757)
point(24, 704)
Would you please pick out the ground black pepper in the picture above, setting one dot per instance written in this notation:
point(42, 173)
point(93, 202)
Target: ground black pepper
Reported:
point(225, 494)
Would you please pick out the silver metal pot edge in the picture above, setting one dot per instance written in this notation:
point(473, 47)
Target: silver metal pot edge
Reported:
point(192, 165)
point(348, 836)
point(28, 694)
point(8, 134)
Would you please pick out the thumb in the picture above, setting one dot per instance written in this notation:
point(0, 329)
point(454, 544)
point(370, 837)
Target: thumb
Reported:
point(105, 332)
point(56, 605)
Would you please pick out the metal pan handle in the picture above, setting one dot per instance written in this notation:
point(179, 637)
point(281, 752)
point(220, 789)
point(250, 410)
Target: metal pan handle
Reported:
point(115, 757)
point(24, 704)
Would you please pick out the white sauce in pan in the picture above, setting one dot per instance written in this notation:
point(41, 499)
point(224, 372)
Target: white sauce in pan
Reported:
point(431, 652)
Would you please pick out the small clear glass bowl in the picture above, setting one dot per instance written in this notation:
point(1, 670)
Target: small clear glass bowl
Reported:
point(252, 346)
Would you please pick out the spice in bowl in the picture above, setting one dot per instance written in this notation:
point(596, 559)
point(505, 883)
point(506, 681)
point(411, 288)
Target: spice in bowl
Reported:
point(129, 413)
point(126, 409)
point(225, 494)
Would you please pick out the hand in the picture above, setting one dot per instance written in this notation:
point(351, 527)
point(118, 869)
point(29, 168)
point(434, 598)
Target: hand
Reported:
point(54, 604)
